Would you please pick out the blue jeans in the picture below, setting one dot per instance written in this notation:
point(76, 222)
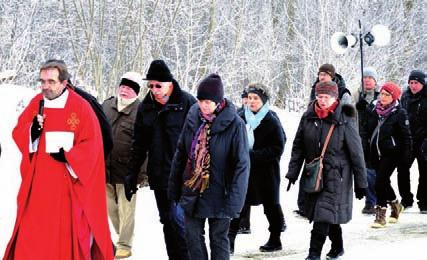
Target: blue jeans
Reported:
point(371, 198)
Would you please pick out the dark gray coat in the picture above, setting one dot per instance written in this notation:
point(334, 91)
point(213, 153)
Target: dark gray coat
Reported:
point(122, 125)
point(343, 161)
point(229, 166)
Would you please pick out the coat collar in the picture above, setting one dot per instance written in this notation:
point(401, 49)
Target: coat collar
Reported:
point(223, 120)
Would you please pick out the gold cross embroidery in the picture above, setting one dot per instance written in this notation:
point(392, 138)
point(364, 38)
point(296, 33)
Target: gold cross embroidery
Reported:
point(73, 121)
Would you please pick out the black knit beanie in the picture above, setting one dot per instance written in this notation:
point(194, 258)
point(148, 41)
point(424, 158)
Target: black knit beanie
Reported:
point(159, 71)
point(211, 88)
point(418, 75)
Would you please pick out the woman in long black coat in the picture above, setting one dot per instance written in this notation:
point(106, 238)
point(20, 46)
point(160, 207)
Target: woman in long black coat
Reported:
point(266, 144)
point(390, 146)
point(343, 161)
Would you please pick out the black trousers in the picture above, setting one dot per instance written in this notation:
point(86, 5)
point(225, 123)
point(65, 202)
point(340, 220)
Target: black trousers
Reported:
point(383, 188)
point(274, 215)
point(318, 236)
point(173, 231)
point(245, 217)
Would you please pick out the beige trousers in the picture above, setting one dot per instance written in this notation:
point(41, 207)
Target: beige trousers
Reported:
point(122, 214)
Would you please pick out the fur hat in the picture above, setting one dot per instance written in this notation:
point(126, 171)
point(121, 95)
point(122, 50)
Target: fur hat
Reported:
point(393, 89)
point(211, 88)
point(132, 80)
point(418, 75)
point(370, 72)
point(328, 87)
point(159, 71)
point(328, 68)
point(260, 90)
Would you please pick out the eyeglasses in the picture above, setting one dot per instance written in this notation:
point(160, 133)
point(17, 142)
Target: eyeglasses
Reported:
point(49, 82)
point(150, 86)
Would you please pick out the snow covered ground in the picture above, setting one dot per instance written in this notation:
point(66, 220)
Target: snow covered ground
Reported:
point(404, 240)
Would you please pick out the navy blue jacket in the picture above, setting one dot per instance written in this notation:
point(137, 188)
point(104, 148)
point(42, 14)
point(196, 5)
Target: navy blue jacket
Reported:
point(229, 166)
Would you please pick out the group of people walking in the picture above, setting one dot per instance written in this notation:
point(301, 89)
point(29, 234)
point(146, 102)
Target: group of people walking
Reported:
point(206, 161)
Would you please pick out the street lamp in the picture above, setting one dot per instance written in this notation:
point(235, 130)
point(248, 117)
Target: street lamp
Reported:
point(379, 36)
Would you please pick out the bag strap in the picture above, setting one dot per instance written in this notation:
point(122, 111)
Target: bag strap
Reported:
point(328, 138)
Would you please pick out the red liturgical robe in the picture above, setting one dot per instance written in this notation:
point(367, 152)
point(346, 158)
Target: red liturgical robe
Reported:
point(60, 216)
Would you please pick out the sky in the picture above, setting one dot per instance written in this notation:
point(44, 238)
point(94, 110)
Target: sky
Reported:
point(404, 240)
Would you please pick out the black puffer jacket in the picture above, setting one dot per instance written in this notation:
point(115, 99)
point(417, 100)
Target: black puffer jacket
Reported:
point(416, 107)
point(264, 178)
point(229, 166)
point(156, 132)
point(394, 135)
point(343, 161)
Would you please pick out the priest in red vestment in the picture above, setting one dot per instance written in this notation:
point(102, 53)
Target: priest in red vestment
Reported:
point(61, 211)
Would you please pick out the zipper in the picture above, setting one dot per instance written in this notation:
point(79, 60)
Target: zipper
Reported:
point(392, 140)
point(378, 138)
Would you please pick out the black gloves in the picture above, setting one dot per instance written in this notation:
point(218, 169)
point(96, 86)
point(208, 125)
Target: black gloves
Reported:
point(361, 104)
point(291, 181)
point(131, 181)
point(360, 193)
point(36, 129)
point(59, 156)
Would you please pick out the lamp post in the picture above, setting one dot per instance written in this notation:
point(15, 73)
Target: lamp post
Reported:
point(379, 35)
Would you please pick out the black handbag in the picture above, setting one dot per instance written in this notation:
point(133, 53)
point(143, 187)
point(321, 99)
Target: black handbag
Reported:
point(313, 171)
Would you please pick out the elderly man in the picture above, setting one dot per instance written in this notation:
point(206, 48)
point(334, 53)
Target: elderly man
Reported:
point(158, 124)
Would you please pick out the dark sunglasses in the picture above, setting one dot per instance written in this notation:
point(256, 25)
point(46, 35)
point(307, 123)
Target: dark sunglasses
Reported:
point(150, 86)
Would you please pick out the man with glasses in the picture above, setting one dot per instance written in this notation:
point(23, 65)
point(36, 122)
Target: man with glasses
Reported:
point(158, 124)
point(62, 211)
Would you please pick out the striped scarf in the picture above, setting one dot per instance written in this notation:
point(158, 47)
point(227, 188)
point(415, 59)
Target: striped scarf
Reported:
point(199, 161)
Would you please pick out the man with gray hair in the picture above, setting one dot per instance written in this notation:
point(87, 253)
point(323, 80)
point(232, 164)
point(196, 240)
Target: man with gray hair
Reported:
point(366, 96)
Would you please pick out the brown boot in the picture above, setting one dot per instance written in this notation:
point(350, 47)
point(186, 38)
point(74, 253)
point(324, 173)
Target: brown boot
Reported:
point(379, 217)
point(396, 209)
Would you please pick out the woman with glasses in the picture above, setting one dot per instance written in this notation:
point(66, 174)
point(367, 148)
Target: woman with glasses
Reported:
point(266, 144)
point(342, 162)
point(209, 173)
point(390, 146)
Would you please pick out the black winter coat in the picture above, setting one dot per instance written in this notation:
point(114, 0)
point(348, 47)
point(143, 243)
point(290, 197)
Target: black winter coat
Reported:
point(393, 138)
point(156, 132)
point(343, 161)
point(122, 124)
point(229, 166)
point(363, 115)
point(264, 178)
point(416, 107)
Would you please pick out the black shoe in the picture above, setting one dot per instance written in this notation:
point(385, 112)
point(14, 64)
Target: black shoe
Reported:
point(334, 254)
point(312, 257)
point(368, 210)
point(244, 230)
point(299, 213)
point(273, 244)
point(407, 205)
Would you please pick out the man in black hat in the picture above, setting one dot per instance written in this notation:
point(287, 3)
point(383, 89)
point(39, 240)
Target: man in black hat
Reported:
point(158, 124)
point(414, 100)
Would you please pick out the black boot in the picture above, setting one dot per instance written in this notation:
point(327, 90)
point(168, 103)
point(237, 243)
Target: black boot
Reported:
point(316, 244)
point(273, 243)
point(231, 239)
point(337, 249)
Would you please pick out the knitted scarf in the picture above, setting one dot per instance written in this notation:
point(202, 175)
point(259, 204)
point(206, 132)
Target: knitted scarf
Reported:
point(384, 111)
point(253, 120)
point(323, 113)
point(198, 163)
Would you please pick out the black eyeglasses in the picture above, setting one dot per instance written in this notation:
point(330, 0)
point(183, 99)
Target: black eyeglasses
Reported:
point(150, 86)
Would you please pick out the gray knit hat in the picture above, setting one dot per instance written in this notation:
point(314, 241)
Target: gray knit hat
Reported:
point(370, 72)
